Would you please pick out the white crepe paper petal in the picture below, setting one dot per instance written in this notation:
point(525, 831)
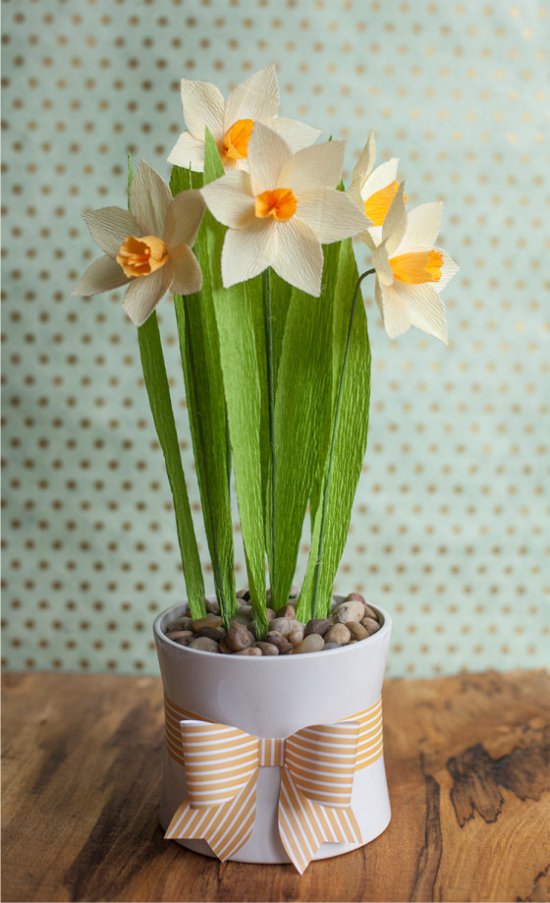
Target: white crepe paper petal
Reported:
point(145, 292)
point(330, 214)
point(230, 199)
point(248, 252)
point(384, 273)
point(150, 199)
point(423, 224)
point(363, 168)
point(188, 152)
point(267, 155)
point(299, 257)
point(380, 178)
point(394, 311)
point(255, 98)
point(448, 269)
point(103, 275)
point(395, 223)
point(203, 106)
point(110, 226)
point(296, 134)
point(187, 272)
point(425, 308)
point(183, 218)
point(320, 165)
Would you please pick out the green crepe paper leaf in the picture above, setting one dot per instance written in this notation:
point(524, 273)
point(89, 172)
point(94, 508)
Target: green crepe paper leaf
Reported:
point(303, 411)
point(348, 444)
point(236, 311)
point(158, 393)
point(200, 355)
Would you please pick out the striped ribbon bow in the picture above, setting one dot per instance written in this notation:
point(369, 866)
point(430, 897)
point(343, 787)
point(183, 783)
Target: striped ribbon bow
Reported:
point(317, 765)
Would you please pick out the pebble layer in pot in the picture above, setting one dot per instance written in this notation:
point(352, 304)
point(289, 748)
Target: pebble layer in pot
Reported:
point(273, 693)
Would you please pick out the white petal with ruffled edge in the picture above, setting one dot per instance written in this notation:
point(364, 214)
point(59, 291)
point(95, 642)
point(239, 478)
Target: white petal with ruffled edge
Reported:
point(230, 199)
point(380, 178)
point(145, 292)
point(150, 199)
point(295, 133)
point(299, 259)
point(425, 308)
point(187, 272)
point(110, 226)
point(188, 152)
point(203, 106)
point(362, 169)
point(183, 218)
point(395, 223)
point(330, 214)
point(103, 275)
point(423, 225)
point(255, 98)
point(248, 252)
point(394, 311)
point(267, 155)
point(317, 166)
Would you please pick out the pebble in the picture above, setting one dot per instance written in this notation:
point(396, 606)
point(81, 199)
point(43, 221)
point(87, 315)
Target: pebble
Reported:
point(371, 612)
point(205, 644)
point(338, 633)
point(371, 625)
point(281, 642)
point(251, 650)
point(358, 631)
point(281, 625)
point(354, 610)
point(355, 597)
point(215, 633)
point(270, 614)
point(245, 608)
point(317, 625)
point(208, 621)
point(224, 647)
point(332, 646)
point(296, 635)
point(239, 637)
point(267, 648)
point(181, 636)
point(212, 606)
point(243, 594)
point(311, 643)
point(181, 624)
point(287, 611)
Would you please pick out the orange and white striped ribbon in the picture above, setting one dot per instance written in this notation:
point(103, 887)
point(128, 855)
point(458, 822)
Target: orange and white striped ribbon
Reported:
point(317, 765)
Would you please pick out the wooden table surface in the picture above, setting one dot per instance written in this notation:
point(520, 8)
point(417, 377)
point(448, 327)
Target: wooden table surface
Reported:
point(468, 765)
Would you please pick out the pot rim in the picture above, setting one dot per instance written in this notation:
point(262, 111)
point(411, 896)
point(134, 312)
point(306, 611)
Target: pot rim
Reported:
point(350, 650)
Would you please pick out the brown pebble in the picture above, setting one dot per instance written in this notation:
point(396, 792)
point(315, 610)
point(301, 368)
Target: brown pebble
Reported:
point(287, 611)
point(252, 650)
point(358, 631)
point(267, 648)
point(239, 637)
point(208, 621)
point(355, 597)
point(338, 633)
point(296, 635)
point(311, 643)
point(371, 625)
point(281, 625)
point(213, 606)
point(183, 637)
point(205, 644)
point(270, 614)
point(181, 624)
point(280, 641)
point(354, 610)
point(317, 625)
point(243, 593)
point(224, 647)
point(371, 612)
point(215, 633)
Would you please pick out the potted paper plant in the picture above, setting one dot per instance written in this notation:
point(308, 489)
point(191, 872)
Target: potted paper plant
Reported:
point(272, 693)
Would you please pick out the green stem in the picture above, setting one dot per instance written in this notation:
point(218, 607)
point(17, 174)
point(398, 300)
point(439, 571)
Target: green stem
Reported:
point(335, 424)
point(268, 317)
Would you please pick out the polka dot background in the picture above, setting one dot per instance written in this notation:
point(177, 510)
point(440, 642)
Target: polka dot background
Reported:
point(450, 527)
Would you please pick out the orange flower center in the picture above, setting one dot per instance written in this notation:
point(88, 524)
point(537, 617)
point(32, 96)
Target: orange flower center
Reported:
point(141, 256)
point(417, 267)
point(378, 204)
point(280, 203)
point(235, 140)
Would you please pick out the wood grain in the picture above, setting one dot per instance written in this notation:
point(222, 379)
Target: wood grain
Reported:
point(468, 762)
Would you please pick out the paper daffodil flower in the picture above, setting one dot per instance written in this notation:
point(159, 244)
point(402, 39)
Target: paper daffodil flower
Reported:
point(411, 271)
point(282, 211)
point(231, 121)
point(149, 247)
point(374, 188)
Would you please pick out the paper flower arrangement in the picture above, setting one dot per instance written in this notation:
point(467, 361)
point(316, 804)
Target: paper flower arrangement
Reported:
point(253, 239)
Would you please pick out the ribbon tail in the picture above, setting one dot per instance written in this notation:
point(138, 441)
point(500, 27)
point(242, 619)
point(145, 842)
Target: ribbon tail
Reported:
point(225, 828)
point(304, 825)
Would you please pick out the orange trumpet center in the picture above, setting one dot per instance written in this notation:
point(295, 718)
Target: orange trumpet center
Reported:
point(378, 204)
point(235, 140)
point(141, 256)
point(280, 203)
point(417, 267)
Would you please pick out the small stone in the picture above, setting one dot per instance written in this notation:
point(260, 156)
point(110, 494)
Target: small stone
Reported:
point(244, 608)
point(371, 625)
point(332, 646)
point(241, 619)
point(311, 643)
point(205, 644)
point(287, 611)
point(354, 610)
point(224, 647)
point(213, 606)
point(239, 637)
point(215, 633)
point(358, 631)
point(338, 633)
point(267, 648)
point(281, 642)
point(317, 625)
point(371, 612)
point(208, 621)
point(281, 625)
point(296, 635)
point(355, 597)
point(183, 637)
point(244, 594)
point(252, 650)
point(270, 614)
point(181, 624)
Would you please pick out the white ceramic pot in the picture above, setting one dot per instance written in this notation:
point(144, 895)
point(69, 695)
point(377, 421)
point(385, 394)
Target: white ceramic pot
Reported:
point(275, 696)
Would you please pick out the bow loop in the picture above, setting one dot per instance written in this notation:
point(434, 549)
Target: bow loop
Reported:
point(219, 761)
point(321, 760)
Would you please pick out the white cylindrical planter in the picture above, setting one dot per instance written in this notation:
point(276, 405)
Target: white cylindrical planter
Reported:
point(275, 696)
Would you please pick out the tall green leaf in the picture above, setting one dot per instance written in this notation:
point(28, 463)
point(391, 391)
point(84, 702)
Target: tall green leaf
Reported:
point(200, 355)
point(158, 391)
point(236, 316)
point(348, 441)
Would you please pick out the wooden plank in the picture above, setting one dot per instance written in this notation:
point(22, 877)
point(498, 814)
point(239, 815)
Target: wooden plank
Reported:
point(468, 762)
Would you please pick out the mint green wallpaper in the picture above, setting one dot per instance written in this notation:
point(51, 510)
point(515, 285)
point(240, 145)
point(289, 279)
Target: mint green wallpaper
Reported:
point(450, 530)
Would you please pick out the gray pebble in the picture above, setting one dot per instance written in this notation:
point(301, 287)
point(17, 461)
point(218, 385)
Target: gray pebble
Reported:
point(239, 637)
point(332, 646)
point(267, 648)
point(317, 625)
point(311, 643)
point(338, 633)
point(205, 644)
point(280, 641)
point(281, 625)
